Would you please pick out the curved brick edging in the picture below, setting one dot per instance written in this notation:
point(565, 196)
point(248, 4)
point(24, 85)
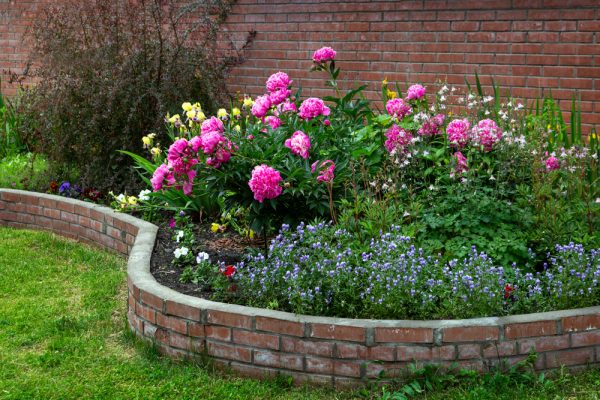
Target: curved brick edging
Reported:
point(335, 351)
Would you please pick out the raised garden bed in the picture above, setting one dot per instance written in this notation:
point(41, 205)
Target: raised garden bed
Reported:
point(332, 351)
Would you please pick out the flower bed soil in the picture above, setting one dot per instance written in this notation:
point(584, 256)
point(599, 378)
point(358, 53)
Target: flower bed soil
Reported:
point(226, 247)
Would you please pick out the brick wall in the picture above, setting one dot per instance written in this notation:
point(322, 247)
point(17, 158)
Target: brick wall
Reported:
point(319, 350)
point(529, 46)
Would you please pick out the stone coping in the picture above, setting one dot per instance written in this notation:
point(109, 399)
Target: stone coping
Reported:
point(323, 350)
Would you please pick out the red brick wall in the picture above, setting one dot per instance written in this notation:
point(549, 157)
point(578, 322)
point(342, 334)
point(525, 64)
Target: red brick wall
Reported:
point(529, 46)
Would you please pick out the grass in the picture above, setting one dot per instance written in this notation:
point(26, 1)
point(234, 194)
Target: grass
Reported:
point(63, 336)
point(22, 171)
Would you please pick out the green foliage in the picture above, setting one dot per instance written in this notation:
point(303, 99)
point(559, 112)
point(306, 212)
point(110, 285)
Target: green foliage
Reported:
point(10, 119)
point(109, 72)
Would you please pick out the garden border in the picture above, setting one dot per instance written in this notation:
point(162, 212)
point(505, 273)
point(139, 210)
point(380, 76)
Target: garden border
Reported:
point(262, 343)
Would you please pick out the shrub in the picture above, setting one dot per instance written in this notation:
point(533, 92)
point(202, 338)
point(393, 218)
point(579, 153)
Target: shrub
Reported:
point(109, 71)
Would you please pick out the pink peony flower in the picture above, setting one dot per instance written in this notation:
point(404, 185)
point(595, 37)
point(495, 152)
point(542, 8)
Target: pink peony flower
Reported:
point(278, 81)
point(313, 107)
point(178, 149)
point(397, 139)
point(210, 141)
point(324, 54)
point(431, 126)
point(299, 143)
point(461, 163)
point(552, 164)
point(273, 122)
point(398, 108)
point(415, 92)
point(458, 132)
point(279, 96)
point(160, 174)
point(261, 106)
point(326, 169)
point(221, 156)
point(264, 183)
point(212, 125)
point(288, 106)
point(196, 143)
point(486, 133)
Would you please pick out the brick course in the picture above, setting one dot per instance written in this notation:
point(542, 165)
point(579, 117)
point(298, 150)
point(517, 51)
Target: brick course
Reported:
point(317, 350)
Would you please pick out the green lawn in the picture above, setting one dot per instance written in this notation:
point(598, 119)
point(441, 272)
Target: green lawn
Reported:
point(63, 336)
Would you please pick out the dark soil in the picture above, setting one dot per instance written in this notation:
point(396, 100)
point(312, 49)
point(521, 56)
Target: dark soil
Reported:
point(228, 247)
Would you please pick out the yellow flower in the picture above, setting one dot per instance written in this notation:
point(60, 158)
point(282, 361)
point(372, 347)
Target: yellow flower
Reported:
point(594, 135)
point(248, 102)
point(146, 141)
point(222, 113)
point(384, 82)
point(548, 128)
point(155, 151)
point(152, 135)
point(200, 116)
point(450, 114)
point(214, 227)
point(174, 119)
point(235, 112)
point(391, 94)
point(132, 200)
point(550, 139)
point(251, 234)
point(187, 106)
point(237, 128)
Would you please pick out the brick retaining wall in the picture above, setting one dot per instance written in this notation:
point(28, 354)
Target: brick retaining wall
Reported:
point(332, 351)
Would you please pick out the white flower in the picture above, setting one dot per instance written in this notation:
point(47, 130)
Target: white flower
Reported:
point(431, 187)
point(487, 112)
point(453, 89)
point(406, 214)
point(121, 198)
point(460, 100)
point(183, 251)
point(443, 90)
point(492, 178)
point(432, 108)
point(487, 99)
point(470, 97)
point(442, 98)
point(385, 186)
point(179, 236)
point(519, 106)
point(442, 106)
point(425, 153)
point(143, 196)
point(598, 200)
point(201, 257)
point(512, 121)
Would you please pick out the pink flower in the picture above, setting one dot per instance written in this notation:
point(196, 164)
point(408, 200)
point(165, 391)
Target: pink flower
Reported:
point(196, 143)
point(180, 156)
point(324, 54)
point(273, 122)
point(210, 141)
point(278, 81)
point(461, 163)
point(486, 133)
point(415, 92)
point(398, 108)
point(397, 139)
point(261, 106)
point(313, 107)
point(221, 156)
point(160, 174)
point(458, 132)
point(178, 149)
point(299, 143)
point(552, 164)
point(326, 122)
point(279, 96)
point(287, 106)
point(212, 125)
point(264, 183)
point(326, 169)
point(431, 126)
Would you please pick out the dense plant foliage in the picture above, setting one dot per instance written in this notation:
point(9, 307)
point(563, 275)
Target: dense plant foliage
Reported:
point(108, 71)
point(487, 190)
